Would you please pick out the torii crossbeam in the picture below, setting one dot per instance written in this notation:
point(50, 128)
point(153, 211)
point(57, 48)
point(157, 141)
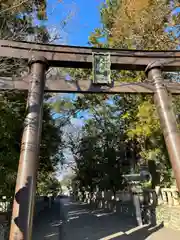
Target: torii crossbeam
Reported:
point(81, 57)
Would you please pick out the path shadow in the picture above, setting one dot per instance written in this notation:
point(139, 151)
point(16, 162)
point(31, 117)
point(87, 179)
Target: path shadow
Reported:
point(47, 223)
point(73, 220)
point(84, 223)
point(139, 233)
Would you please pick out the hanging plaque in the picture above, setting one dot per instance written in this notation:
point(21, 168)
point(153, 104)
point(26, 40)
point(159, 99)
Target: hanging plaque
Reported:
point(101, 68)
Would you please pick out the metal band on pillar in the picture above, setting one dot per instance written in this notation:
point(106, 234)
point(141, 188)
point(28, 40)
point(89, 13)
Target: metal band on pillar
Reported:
point(167, 117)
point(24, 199)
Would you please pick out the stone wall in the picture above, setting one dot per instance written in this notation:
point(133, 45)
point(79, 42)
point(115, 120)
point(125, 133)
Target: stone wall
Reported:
point(168, 209)
point(170, 216)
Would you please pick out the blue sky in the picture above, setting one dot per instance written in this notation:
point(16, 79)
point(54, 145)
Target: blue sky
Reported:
point(85, 17)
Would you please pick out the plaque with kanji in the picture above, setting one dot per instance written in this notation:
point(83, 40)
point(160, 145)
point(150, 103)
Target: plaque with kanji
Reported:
point(101, 68)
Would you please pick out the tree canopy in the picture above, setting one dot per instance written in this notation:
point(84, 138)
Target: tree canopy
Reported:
point(17, 23)
point(123, 131)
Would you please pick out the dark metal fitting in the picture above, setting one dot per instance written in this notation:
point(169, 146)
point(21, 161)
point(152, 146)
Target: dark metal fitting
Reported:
point(38, 59)
point(152, 65)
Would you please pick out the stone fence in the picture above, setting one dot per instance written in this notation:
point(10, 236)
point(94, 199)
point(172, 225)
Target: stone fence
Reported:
point(165, 196)
point(121, 203)
point(168, 196)
point(165, 200)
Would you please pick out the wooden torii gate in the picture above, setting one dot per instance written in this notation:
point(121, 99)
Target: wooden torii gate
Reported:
point(42, 56)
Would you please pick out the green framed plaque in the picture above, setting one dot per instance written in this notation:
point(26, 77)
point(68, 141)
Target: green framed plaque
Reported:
point(101, 68)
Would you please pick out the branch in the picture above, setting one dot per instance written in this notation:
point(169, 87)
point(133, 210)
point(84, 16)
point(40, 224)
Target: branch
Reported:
point(14, 6)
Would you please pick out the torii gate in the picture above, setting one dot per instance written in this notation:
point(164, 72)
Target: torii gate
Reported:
point(41, 57)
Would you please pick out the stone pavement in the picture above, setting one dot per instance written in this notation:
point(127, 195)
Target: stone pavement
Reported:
point(84, 224)
point(164, 234)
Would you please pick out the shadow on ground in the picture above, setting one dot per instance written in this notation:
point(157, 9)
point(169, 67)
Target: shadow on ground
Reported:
point(139, 233)
point(84, 224)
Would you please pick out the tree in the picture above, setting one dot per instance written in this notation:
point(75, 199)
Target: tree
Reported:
point(142, 25)
point(130, 25)
point(16, 23)
point(48, 184)
point(12, 112)
point(67, 180)
point(102, 154)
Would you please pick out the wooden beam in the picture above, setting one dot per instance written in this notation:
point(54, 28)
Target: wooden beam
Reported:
point(85, 86)
point(81, 57)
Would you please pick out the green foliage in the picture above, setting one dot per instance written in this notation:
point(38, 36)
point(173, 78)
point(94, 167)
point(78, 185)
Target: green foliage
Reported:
point(12, 112)
point(16, 20)
point(17, 23)
point(124, 128)
point(48, 184)
point(67, 180)
point(103, 152)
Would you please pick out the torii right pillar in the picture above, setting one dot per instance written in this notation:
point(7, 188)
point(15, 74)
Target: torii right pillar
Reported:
point(167, 117)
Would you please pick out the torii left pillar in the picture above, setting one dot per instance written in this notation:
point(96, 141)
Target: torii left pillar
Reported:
point(24, 199)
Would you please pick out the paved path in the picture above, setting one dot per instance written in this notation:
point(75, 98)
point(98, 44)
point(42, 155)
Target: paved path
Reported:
point(84, 224)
